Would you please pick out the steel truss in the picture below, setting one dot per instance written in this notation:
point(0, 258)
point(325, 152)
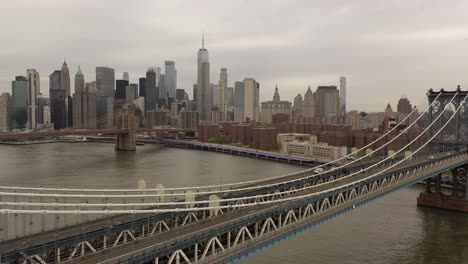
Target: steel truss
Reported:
point(457, 130)
point(266, 226)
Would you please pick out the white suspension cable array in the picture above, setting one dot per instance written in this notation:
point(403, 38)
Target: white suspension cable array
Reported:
point(250, 197)
point(198, 188)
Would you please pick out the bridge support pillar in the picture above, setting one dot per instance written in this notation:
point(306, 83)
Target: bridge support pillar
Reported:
point(126, 120)
point(457, 200)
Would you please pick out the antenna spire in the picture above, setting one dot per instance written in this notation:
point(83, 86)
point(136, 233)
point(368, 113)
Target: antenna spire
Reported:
point(203, 40)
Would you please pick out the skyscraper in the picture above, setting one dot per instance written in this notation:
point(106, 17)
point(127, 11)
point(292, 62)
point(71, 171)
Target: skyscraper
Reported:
point(79, 81)
point(42, 102)
point(222, 93)
point(404, 106)
point(151, 97)
point(5, 101)
point(33, 86)
point(343, 96)
point(120, 88)
point(251, 100)
point(126, 77)
point(84, 105)
point(309, 106)
point(328, 100)
point(180, 94)
point(57, 100)
point(19, 92)
point(239, 94)
point(142, 83)
point(65, 79)
point(131, 93)
point(162, 92)
point(229, 97)
point(105, 81)
point(204, 101)
point(298, 109)
point(170, 78)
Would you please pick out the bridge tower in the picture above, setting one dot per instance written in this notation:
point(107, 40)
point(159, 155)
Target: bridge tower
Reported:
point(453, 138)
point(456, 133)
point(126, 119)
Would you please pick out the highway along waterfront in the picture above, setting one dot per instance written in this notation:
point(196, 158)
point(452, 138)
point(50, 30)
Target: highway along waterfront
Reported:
point(390, 230)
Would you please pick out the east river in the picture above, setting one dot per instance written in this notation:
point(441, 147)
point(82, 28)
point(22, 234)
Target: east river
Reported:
point(390, 230)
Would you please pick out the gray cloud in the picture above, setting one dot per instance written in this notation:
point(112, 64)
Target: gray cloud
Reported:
point(384, 48)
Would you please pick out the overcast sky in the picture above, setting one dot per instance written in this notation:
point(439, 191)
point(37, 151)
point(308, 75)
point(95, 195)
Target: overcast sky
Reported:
point(384, 48)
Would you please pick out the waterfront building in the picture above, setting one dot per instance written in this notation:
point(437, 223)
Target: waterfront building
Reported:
point(5, 111)
point(203, 92)
point(207, 131)
point(34, 84)
point(264, 138)
point(105, 81)
point(288, 137)
point(19, 102)
point(276, 106)
point(318, 151)
point(325, 152)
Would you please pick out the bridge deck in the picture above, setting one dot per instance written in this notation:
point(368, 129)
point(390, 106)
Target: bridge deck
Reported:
point(178, 235)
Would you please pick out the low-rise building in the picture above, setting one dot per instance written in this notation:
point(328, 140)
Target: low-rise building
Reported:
point(325, 152)
point(295, 137)
point(299, 148)
point(319, 151)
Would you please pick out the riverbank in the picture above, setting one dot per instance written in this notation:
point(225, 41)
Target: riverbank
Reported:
point(29, 142)
point(235, 150)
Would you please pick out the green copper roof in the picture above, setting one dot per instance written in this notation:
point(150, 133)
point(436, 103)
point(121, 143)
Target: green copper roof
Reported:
point(79, 71)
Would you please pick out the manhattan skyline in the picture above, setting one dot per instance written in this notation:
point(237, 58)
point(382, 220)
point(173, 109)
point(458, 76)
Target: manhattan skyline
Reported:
point(390, 49)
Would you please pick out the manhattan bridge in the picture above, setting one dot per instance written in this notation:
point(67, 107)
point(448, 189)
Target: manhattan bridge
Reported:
point(227, 222)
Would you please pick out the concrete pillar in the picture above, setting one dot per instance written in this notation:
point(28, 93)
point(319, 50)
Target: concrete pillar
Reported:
point(454, 182)
point(428, 185)
point(438, 181)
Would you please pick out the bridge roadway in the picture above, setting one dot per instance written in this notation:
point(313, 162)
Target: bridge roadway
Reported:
point(174, 237)
point(83, 231)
